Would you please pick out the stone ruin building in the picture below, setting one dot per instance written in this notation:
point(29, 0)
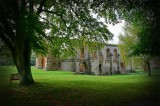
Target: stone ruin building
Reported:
point(107, 60)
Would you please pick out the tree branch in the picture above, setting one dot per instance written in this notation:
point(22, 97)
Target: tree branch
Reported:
point(47, 21)
point(40, 6)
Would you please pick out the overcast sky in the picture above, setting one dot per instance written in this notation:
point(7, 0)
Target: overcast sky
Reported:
point(116, 30)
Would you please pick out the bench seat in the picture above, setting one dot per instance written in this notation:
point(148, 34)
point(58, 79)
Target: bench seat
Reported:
point(14, 77)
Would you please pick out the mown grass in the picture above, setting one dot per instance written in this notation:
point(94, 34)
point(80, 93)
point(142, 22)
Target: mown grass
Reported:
point(61, 88)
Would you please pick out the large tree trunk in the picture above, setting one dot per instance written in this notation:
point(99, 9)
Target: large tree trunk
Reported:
point(21, 59)
point(17, 31)
point(148, 67)
point(23, 45)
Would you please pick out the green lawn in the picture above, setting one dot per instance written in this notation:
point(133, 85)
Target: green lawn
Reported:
point(62, 88)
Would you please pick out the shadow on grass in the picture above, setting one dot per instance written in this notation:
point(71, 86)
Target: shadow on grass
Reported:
point(85, 93)
point(17, 95)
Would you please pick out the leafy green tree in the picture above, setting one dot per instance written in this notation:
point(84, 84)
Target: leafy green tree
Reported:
point(21, 31)
point(148, 39)
point(126, 43)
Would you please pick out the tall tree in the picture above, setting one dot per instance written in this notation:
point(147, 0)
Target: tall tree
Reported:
point(126, 43)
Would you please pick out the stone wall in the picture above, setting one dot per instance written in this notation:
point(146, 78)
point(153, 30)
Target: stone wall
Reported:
point(67, 65)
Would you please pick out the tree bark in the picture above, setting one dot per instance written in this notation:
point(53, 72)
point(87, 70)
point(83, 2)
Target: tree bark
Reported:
point(23, 45)
point(21, 58)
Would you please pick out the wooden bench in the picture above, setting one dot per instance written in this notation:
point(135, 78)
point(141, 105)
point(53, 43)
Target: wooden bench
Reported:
point(14, 77)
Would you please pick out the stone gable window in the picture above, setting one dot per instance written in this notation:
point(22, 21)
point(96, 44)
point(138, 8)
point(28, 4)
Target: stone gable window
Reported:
point(115, 53)
point(107, 53)
point(94, 54)
point(82, 52)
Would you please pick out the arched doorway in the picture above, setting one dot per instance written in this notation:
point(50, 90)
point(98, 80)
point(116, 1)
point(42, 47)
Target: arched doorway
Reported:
point(115, 53)
point(82, 68)
point(122, 66)
point(107, 53)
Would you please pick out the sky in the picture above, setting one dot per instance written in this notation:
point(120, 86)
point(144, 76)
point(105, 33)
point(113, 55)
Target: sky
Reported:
point(116, 30)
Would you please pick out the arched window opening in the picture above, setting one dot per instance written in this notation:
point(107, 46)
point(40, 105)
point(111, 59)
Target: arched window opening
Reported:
point(94, 54)
point(115, 53)
point(82, 52)
point(107, 53)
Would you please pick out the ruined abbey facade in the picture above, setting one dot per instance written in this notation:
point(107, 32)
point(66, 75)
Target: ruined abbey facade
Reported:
point(107, 60)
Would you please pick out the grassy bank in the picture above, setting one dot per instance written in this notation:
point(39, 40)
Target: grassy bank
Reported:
point(62, 88)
